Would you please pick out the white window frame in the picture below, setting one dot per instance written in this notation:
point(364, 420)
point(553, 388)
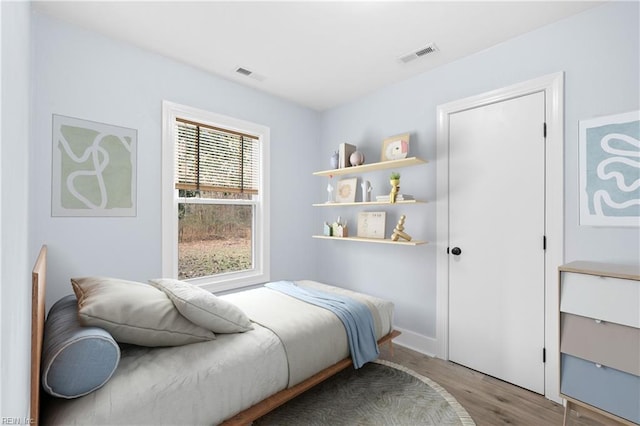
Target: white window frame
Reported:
point(260, 272)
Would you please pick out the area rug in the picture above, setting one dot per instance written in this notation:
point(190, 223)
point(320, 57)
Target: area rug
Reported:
point(379, 393)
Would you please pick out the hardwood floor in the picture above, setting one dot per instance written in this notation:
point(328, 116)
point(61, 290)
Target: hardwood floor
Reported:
point(489, 401)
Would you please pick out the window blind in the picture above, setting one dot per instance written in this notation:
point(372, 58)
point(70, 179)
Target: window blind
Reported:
point(214, 159)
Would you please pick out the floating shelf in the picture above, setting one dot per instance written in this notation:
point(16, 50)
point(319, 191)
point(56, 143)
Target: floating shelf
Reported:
point(372, 240)
point(365, 168)
point(384, 165)
point(368, 203)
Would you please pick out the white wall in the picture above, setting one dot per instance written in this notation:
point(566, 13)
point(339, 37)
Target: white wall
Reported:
point(1, 345)
point(599, 52)
point(15, 281)
point(82, 74)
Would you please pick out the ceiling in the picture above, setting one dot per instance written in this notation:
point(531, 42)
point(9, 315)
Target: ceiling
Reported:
point(318, 54)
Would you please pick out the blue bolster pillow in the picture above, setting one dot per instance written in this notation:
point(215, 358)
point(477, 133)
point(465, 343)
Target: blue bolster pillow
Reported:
point(76, 360)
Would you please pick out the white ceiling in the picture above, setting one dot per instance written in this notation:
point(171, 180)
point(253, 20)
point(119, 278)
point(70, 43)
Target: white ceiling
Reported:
point(318, 54)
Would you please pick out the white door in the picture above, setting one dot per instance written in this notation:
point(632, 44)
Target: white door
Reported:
point(496, 225)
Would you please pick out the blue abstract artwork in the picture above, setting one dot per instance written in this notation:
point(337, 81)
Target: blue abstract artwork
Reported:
point(609, 149)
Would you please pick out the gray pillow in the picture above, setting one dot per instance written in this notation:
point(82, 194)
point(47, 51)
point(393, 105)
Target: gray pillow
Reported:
point(134, 313)
point(203, 308)
point(76, 360)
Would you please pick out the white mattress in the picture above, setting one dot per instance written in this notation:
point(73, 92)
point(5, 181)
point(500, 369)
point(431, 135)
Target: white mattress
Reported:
point(205, 383)
point(313, 337)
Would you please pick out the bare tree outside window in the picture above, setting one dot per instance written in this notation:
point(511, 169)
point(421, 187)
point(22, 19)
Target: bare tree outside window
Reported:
point(214, 238)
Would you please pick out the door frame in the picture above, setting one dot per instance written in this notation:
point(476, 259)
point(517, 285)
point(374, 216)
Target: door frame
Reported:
point(553, 87)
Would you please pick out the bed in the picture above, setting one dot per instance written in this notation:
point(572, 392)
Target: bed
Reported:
point(234, 379)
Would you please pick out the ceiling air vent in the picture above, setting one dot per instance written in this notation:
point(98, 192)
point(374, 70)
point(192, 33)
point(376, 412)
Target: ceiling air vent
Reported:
point(431, 48)
point(243, 71)
point(249, 73)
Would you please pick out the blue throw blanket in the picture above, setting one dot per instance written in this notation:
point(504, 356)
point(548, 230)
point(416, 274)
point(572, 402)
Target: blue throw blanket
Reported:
point(355, 316)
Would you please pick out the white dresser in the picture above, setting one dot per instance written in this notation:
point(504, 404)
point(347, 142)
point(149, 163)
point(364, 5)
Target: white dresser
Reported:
point(600, 339)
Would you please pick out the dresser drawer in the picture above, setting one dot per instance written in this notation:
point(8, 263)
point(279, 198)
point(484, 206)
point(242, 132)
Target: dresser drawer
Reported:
point(606, 388)
point(610, 299)
point(614, 345)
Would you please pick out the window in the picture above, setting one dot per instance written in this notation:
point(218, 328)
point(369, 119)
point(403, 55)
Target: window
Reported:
point(215, 200)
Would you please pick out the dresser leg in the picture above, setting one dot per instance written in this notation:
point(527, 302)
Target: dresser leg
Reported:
point(567, 412)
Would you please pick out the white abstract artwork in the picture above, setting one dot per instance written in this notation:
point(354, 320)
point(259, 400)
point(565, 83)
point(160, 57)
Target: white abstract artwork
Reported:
point(609, 149)
point(93, 169)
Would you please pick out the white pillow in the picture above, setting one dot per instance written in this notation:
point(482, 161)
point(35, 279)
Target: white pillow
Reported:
point(134, 313)
point(203, 308)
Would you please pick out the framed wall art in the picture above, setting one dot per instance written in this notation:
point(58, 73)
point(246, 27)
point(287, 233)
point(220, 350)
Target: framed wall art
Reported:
point(93, 168)
point(395, 147)
point(609, 167)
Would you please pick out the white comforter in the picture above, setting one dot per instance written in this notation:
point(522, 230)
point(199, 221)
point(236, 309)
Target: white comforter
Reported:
point(205, 383)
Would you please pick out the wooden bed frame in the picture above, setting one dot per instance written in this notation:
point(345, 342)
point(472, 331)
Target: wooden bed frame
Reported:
point(243, 418)
point(38, 287)
point(247, 416)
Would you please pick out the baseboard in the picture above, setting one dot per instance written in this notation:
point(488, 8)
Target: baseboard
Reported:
point(417, 342)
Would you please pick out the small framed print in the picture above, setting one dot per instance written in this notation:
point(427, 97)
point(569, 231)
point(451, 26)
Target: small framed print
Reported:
point(346, 190)
point(371, 224)
point(395, 147)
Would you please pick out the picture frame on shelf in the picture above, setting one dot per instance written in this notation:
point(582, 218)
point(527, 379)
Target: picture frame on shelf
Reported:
point(346, 192)
point(371, 224)
point(395, 147)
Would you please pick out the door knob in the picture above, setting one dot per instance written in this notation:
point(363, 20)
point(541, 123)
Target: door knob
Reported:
point(456, 251)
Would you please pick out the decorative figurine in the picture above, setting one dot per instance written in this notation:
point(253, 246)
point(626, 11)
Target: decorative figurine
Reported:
point(394, 180)
point(366, 191)
point(339, 229)
point(342, 231)
point(398, 231)
point(329, 192)
point(356, 158)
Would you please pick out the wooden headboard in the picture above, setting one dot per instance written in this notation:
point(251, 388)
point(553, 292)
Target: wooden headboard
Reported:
point(38, 287)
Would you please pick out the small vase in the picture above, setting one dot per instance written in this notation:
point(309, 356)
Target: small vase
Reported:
point(366, 191)
point(333, 160)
